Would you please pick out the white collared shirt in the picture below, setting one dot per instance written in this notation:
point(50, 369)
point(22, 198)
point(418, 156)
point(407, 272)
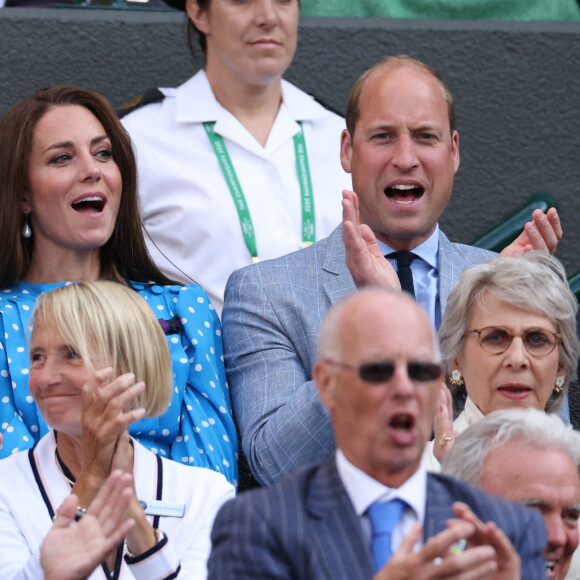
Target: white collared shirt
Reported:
point(186, 204)
point(425, 274)
point(363, 491)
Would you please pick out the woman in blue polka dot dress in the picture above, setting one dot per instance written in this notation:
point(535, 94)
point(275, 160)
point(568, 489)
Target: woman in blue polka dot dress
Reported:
point(70, 212)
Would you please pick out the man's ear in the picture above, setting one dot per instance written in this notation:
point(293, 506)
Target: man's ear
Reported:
point(455, 151)
point(325, 383)
point(346, 150)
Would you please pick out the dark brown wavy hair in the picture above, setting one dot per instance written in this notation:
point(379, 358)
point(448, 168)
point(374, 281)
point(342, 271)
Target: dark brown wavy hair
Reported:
point(124, 256)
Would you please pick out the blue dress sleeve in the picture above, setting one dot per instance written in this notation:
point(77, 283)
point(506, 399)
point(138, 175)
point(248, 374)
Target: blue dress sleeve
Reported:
point(198, 428)
point(20, 421)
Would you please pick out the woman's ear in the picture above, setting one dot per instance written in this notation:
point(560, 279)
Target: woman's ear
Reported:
point(197, 15)
point(25, 206)
point(560, 375)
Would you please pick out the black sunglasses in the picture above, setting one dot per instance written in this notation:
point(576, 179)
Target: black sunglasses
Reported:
point(382, 371)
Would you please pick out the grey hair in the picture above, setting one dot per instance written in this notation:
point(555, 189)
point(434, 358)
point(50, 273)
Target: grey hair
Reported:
point(531, 427)
point(536, 282)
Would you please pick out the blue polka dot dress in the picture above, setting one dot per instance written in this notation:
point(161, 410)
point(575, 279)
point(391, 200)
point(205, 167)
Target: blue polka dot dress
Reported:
point(198, 427)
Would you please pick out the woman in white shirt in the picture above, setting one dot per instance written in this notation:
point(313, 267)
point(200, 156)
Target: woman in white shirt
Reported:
point(236, 136)
point(100, 362)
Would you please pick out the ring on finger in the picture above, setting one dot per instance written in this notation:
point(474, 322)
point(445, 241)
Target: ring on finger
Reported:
point(444, 438)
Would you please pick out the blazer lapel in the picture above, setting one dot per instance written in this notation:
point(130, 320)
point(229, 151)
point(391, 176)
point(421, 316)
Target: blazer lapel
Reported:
point(451, 264)
point(453, 259)
point(437, 509)
point(337, 280)
point(342, 549)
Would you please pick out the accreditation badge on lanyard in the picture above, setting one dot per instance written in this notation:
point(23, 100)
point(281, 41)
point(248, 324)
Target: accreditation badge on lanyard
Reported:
point(231, 177)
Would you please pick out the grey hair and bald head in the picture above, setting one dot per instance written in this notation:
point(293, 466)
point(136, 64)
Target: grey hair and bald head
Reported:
point(331, 337)
point(529, 427)
point(536, 282)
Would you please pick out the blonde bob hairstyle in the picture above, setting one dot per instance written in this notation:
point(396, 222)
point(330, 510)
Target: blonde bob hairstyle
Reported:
point(537, 283)
point(109, 324)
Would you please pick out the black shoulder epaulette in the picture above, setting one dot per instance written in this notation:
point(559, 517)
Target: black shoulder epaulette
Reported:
point(148, 97)
point(332, 109)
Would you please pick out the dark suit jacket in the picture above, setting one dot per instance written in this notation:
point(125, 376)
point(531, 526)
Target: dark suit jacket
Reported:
point(305, 527)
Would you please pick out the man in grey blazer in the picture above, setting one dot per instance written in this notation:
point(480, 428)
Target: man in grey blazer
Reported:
point(402, 150)
point(379, 374)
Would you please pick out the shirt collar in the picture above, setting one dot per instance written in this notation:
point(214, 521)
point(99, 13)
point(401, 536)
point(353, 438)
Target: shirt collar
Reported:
point(363, 490)
point(302, 106)
point(196, 103)
point(427, 251)
point(472, 412)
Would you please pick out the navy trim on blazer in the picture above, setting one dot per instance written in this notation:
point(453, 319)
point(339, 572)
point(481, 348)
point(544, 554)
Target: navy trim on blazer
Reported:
point(119, 557)
point(159, 494)
point(36, 473)
point(147, 553)
point(174, 575)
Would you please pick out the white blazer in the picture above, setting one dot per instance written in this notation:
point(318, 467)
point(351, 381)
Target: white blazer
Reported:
point(25, 517)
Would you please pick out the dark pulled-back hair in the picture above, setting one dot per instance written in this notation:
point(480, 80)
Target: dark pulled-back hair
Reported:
point(124, 256)
point(193, 33)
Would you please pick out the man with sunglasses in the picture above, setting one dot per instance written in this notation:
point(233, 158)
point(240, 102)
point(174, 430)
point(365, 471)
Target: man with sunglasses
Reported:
point(402, 150)
point(379, 375)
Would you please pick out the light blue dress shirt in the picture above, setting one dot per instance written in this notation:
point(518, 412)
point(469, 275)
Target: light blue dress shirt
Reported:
point(425, 269)
point(363, 490)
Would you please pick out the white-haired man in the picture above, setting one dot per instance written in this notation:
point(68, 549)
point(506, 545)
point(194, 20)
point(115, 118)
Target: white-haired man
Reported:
point(529, 457)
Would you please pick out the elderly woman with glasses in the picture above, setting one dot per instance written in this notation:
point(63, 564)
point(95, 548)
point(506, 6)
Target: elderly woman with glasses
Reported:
point(508, 339)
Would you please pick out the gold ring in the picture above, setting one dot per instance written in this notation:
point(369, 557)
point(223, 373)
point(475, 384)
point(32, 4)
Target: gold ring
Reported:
point(443, 439)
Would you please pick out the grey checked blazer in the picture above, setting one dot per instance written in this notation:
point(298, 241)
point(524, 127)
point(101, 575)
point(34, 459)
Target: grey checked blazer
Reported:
point(270, 321)
point(305, 528)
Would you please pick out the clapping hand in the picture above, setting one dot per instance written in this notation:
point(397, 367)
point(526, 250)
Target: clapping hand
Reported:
point(444, 434)
point(72, 551)
point(364, 259)
point(466, 550)
point(543, 232)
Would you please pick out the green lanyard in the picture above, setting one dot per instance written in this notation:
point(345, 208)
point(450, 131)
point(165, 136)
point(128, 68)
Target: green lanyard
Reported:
point(231, 177)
